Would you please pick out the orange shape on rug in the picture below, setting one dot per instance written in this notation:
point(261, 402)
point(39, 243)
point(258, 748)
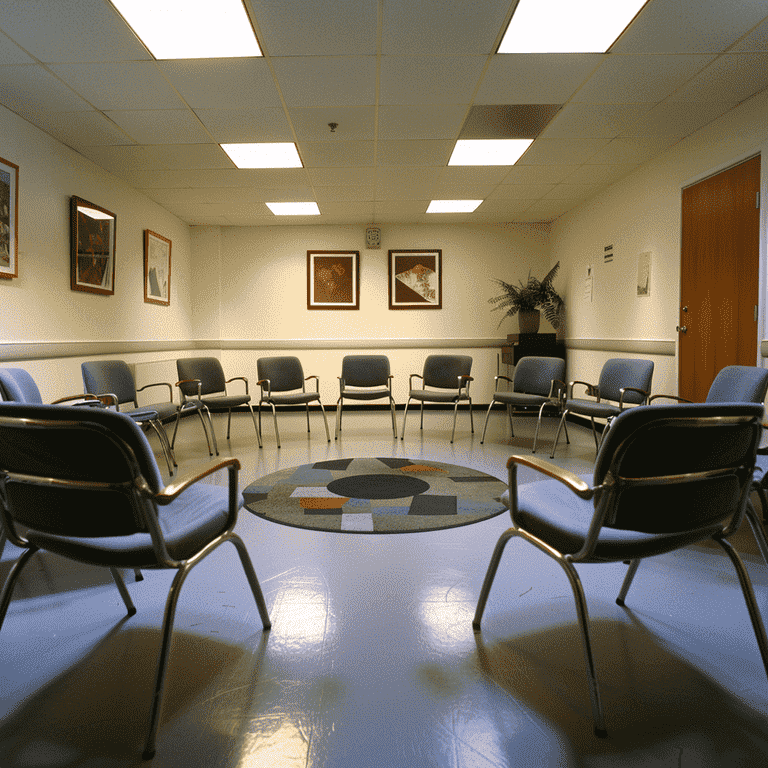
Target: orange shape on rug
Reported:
point(322, 502)
point(420, 468)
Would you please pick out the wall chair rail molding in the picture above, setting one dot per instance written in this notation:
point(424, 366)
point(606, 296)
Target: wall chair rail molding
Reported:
point(49, 350)
point(635, 346)
point(399, 343)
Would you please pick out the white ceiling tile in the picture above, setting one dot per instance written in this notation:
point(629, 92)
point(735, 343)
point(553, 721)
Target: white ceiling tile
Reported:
point(317, 154)
point(234, 126)
point(567, 191)
point(344, 193)
point(437, 26)
point(360, 209)
point(298, 193)
point(161, 126)
point(429, 79)
point(320, 81)
point(599, 174)
point(82, 129)
point(520, 191)
point(205, 195)
point(407, 184)
point(647, 78)
point(729, 79)
point(756, 40)
point(117, 159)
point(593, 120)
point(473, 174)
point(424, 152)
point(70, 30)
point(186, 156)
point(10, 53)
point(676, 118)
point(535, 78)
point(547, 210)
point(438, 121)
point(31, 90)
point(634, 150)
point(503, 208)
point(561, 151)
point(316, 27)
point(538, 174)
point(352, 123)
point(120, 85)
point(223, 83)
point(335, 177)
point(690, 26)
point(399, 210)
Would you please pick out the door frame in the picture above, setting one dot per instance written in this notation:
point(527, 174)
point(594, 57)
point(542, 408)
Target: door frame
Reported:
point(762, 297)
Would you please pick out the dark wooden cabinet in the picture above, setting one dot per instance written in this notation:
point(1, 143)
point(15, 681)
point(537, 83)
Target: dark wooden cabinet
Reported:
point(527, 344)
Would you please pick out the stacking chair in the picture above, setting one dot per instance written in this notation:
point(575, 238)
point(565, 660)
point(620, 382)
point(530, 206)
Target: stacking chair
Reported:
point(282, 382)
point(665, 477)
point(201, 381)
point(538, 383)
point(96, 469)
point(365, 377)
point(625, 382)
point(112, 382)
point(449, 379)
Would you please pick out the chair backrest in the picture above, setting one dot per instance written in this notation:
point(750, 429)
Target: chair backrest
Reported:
point(109, 376)
point(18, 386)
point(284, 373)
point(365, 370)
point(620, 372)
point(443, 371)
point(534, 375)
point(739, 384)
point(95, 456)
point(676, 468)
point(207, 369)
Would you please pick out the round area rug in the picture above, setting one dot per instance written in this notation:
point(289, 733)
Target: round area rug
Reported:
point(376, 496)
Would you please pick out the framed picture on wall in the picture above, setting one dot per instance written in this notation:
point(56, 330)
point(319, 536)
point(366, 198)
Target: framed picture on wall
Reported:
point(333, 279)
point(157, 268)
point(9, 219)
point(416, 279)
point(92, 265)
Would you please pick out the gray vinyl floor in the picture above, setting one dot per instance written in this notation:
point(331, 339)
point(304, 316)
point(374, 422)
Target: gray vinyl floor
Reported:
point(371, 660)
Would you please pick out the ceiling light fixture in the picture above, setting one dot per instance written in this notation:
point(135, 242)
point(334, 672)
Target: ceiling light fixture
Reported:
point(191, 29)
point(564, 26)
point(453, 206)
point(281, 154)
point(488, 151)
point(294, 209)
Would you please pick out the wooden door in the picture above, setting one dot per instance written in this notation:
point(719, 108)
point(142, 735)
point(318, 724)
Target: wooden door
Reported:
point(718, 276)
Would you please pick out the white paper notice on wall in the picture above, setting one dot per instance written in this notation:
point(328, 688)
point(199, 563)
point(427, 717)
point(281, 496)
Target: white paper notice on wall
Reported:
point(588, 281)
point(644, 274)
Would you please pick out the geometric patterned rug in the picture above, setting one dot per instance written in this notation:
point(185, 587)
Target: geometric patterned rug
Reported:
point(371, 495)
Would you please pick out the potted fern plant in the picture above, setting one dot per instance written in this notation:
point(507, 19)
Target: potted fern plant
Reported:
point(529, 300)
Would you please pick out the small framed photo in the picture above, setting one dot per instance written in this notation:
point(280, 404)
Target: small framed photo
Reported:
point(9, 219)
point(92, 267)
point(333, 279)
point(416, 279)
point(157, 269)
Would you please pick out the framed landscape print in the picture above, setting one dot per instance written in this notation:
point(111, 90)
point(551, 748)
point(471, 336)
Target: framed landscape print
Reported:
point(416, 279)
point(9, 219)
point(333, 279)
point(157, 268)
point(92, 267)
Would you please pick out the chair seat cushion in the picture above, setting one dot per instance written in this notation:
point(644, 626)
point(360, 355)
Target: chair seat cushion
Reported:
point(436, 396)
point(554, 514)
point(187, 523)
point(162, 410)
point(521, 398)
point(295, 398)
point(592, 409)
point(365, 394)
point(224, 402)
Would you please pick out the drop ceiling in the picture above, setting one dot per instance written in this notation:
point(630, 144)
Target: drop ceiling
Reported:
point(401, 78)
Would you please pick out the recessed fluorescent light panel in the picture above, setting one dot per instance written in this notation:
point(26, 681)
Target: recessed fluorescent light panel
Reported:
point(281, 154)
point(566, 26)
point(488, 151)
point(294, 209)
point(191, 29)
point(453, 206)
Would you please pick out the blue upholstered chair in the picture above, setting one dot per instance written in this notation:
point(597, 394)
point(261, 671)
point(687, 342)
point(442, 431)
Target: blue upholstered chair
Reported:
point(96, 469)
point(202, 383)
point(18, 386)
point(537, 383)
point(445, 379)
point(282, 382)
point(665, 477)
point(365, 377)
point(622, 382)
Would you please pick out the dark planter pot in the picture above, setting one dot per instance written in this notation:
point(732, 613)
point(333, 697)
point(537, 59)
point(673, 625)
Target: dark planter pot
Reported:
point(529, 320)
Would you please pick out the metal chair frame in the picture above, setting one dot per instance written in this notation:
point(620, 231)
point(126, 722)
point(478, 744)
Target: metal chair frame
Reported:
point(367, 391)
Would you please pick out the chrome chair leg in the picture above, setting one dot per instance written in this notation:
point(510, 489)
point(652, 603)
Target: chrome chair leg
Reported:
point(756, 524)
point(421, 423)
point(394, 419)
point(274, 419)
point(338, 418)
point(627, 583)
point(405, 414)
point(485, 425)
point(325, 421)
point(10, 582)
point(159, 431)
point(229, 421)
point(210, 425)
point(557, 434)
point(307, 406)
point(255, 426)
point(123, 590)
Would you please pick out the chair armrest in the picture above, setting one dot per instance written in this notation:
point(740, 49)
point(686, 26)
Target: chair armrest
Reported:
point(592, 389)
point(87, 399)
point(557, 390)
point(107, 398)
point(317, 382)
point(464, 381)
point(631, 389)
point(668, 397)
point(265, 384)
point(499, 377)
point(175, 489)
point(412, 377)
point(239, 378)
point(190, 381)
point(573, 482)
point(159, 384)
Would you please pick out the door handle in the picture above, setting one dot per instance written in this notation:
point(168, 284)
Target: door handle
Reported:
point(681, 328)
